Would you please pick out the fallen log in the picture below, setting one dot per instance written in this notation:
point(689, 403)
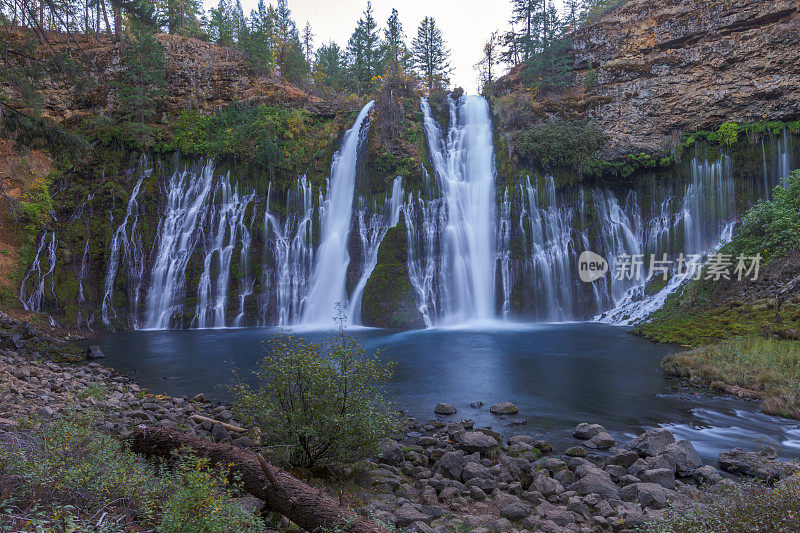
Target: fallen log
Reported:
point(304, 505)
point(230, 427)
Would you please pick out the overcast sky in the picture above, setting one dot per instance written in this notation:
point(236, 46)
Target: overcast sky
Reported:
point(466, 24)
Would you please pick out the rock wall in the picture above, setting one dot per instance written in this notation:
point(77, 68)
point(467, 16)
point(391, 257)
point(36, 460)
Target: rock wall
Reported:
point(662, 68)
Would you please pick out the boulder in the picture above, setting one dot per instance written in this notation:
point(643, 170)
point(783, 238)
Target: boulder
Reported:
point(392, 454)
point(444, 409)
point(763, 464)
point(596, 482)
point(650, 495)
point(407, 514)
point(683, 458)
point(477, 441)
point(586, 431)
point(624, 458)
point(652, 442)
point(451, 464)
point(94, 352)
point(474, 470)
point(504, 408)
point(575, 451)
point(707, 474)
point(515, 511)
point(601, 441)
point(546, 485)
point(661, 476)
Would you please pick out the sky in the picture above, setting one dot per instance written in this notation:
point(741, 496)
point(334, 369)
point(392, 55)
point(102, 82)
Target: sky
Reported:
point(465, 24)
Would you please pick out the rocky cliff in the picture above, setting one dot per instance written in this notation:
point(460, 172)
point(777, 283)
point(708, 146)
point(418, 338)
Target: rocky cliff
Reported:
point(199, 75)
point(648, 71)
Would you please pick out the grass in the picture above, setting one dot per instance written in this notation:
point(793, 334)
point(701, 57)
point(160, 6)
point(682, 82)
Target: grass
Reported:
point(769, 367)
point(67, 475)
point(753, 507)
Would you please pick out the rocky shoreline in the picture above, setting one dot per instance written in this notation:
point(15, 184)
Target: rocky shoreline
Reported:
point(441, 475)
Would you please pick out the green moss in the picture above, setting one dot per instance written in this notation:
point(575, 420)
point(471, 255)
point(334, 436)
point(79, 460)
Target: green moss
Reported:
point(388, 300)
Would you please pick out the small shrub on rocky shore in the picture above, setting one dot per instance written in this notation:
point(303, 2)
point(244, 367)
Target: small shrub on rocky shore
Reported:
point(68, 476)
point(324, 401)
point(740, 507)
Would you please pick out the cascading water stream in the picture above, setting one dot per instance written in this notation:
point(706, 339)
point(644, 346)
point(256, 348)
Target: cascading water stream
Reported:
point(371, 233)
point(464, 166)
point(332, 258)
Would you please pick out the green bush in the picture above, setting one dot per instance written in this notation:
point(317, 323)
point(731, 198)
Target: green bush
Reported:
point(326, 401)
point(772, 227)
point(560, 144)
point(738, 507)
point(728, 134)
point(68, 471)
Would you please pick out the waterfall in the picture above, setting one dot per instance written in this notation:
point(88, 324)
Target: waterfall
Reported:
point(504, 252)
point(226, 224)
point(131, 247)
point(292, 254)
point(464, 166)
point(36, 299)
point(425, 261)
point(330, 271)
point(177, 237)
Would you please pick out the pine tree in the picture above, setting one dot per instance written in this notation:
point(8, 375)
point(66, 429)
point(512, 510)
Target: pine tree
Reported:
point(288, 51)
point(329, 67)
point(572, 12)
point(221, 26)
point(363, 52)
point(431, 55)
point(258, 45)
point(396, 54)
point(529, 14)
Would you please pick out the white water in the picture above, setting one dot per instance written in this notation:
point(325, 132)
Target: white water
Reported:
point(330, 270)
point(36, 299)
point(464, 166)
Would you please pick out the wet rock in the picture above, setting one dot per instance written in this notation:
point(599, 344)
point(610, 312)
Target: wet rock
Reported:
point(601, 441)
point(444, 409)
point(707, 474)
point(682, 457)
point(477, 441)
point(652, 442)
point(199, 397)
point(575, 451)
point(476, 405)
point(504, 408)
point(543, 446)
point(624, 458)
point(94, 352)
point(585, 431)
point(763, 464)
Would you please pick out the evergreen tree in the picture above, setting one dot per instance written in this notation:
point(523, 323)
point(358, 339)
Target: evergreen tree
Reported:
point(143, 79)
point(431, 55)
point(330, 69)
point(572, 12)
point(221, 24)
point(396, 55)
point(258, 45)
point(363, 51)
point(288, 51)
point(528, 13)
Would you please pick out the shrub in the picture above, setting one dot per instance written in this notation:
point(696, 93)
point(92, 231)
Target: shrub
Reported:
point(560, 143)
point(728, 133)
point(738, 507)
point(772, 227)
point(325, 400)
point(66, 472)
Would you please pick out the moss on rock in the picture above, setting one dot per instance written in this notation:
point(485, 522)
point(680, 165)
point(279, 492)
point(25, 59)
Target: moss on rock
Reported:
point(388, 300)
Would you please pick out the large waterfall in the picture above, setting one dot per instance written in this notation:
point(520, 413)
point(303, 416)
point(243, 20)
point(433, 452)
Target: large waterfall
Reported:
point(330, 271)
point(479, 246)
point(463, 163)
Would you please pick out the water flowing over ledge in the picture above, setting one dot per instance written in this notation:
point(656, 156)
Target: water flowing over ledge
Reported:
point(480, 250)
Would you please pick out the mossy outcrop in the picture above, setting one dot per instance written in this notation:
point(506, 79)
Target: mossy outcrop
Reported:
point(388, 300)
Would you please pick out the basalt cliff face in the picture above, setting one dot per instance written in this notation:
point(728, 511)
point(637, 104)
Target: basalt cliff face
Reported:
point(648, 71)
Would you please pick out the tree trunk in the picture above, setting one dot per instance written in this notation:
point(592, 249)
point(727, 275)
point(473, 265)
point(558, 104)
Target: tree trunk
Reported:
point(304, 505)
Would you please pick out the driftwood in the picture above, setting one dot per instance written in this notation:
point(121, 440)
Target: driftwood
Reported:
point(306, 506)
point(229, 427)
point(787, 289)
